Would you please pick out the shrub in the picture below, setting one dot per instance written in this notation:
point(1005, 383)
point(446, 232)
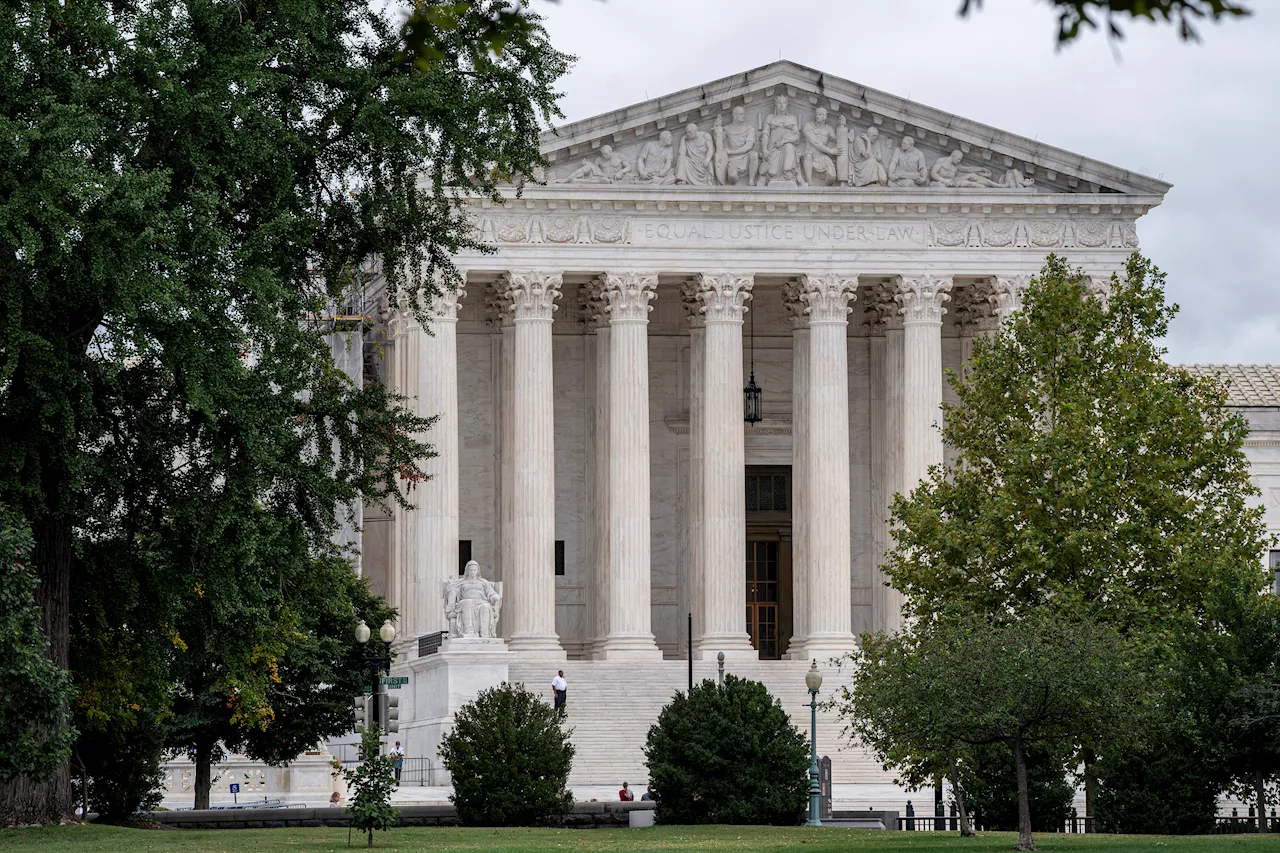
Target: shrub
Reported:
point(991, 787)
point(728, 755)
point(509, 758)
point(1167, 785)
point(371, 782)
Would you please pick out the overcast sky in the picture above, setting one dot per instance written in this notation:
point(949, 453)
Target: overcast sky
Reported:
point(1204, 117)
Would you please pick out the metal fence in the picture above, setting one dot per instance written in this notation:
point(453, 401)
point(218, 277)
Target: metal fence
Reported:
point(413, 771)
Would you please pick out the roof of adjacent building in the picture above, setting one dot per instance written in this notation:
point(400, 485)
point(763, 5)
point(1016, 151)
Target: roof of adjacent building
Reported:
point(1247, 384)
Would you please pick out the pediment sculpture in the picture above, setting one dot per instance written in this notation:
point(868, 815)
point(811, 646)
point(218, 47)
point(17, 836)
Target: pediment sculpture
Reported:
point(472, 605)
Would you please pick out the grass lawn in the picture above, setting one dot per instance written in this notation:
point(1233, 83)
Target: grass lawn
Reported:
point(110, 839)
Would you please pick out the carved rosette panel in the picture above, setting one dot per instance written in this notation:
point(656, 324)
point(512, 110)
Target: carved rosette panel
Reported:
point(533, 294)
point(582, 230)
point(1009, 291)
point(692, 304)
point(628, 295)
point(826, 297)
point(724, 297)
point(920, 298)
point(794, 304)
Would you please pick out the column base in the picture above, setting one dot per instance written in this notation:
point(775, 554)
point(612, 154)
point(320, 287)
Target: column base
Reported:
point(629, 647)
point(822, 647)
point(734, 646)
point(795, 649)
point(537, 646)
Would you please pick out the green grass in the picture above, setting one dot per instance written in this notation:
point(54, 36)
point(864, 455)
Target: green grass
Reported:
point(709, 839)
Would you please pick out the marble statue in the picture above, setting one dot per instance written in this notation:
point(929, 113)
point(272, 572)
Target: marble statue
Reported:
point(842, 152)
point(778, 142)
point(695, 158)
point(948, 172)
point(736, 155)
point(820, 151)
point(907, 168)
point(1014, 179)
point(866, 166)
point(611, 168)
point(656, 163)
point(472, 605)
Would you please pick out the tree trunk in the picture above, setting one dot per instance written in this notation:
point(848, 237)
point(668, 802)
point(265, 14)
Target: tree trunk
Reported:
point(1090, 784)
point(204, 775)
point(50, 799)
point(1025, 842)
point(1260, 785)
point(966, 828)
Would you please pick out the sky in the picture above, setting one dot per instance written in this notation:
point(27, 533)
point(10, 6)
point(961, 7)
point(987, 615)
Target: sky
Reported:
point(1200, 116)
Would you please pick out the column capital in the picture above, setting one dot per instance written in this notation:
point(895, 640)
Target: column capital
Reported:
point(1098, 284)
point(627, 295)
point(692, 305)
point(882, 308)
point(444, 305)
point(975, 307)
point(497, 302)
point(795, 306)
point(826, 297)
point(593, 305)
point(920, 298)
point(1008, 295)
point(533, 294)
point(723, 298)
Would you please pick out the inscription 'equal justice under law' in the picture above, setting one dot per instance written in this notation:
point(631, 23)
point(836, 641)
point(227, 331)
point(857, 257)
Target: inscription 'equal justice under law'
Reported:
point(775, 232)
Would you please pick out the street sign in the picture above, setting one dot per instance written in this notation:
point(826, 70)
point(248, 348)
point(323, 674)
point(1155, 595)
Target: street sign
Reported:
point(395, 682)
point(235, 792)
point(235, 788)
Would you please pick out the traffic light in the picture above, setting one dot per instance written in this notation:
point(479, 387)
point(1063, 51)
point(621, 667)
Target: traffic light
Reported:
point(392, 715)
point(362, 711)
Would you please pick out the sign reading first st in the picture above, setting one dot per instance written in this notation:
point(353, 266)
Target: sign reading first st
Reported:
point(395, 682)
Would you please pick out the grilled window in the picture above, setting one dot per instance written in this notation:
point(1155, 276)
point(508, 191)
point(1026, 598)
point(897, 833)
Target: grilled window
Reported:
point(768, 491)
point(559, 556)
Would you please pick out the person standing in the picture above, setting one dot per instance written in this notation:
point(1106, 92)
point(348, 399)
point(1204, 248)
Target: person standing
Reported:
point(397, 753)
point(559, 689)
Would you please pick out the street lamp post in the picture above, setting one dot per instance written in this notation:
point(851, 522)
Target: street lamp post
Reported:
point(813, 680)
point(376, 663)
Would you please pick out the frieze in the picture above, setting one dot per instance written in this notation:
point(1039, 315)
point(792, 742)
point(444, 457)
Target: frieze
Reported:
point(945, 233)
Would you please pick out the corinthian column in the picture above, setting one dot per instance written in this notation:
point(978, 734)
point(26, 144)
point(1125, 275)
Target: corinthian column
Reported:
point(697, 389)
point(597, 319)
point(630, 635)
point(1009, 293)
point(724, 529)
point(791, 298)
point(920, 302)
point(533, 582)
point(826, 299)
point(437, 498)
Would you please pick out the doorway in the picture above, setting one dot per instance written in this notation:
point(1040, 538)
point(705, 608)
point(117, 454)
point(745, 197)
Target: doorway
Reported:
point(768, 564)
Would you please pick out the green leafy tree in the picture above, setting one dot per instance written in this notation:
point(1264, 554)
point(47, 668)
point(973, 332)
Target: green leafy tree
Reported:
point(1075, 15)
point(1165, 784)
point(728, 754)
point(990, 779)
point(509, 757)
point(33, 733)
point(372, 781)
point(180, 185)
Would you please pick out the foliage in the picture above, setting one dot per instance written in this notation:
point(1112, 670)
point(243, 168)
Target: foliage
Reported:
point(1073, 15)
point(728, 754)
point(990, 783)
point(33, 733)
point(509, 757)
point(371, 783)
point(1090, 473)
point(180, 184)
point(1167, 784)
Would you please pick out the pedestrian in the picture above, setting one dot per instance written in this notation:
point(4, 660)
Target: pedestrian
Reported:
point(559, 689)
point(625, 795)
point(648, 794)
point(398, 754)
point(335, 799)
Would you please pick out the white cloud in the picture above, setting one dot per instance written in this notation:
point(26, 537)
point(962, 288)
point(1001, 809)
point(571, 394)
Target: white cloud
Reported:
point(1200, 116)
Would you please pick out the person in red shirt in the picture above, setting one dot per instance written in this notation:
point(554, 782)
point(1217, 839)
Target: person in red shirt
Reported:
point(625, 794)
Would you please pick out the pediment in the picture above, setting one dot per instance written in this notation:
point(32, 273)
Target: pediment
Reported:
point(650, 144)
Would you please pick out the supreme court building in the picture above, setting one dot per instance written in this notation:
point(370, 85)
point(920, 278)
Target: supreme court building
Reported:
point(837, 247)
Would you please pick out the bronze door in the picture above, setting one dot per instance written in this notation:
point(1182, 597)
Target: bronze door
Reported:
point(762, 598)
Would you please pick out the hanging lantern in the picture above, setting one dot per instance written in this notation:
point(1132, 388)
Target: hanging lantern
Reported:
point(751, 400)
point(751, 411)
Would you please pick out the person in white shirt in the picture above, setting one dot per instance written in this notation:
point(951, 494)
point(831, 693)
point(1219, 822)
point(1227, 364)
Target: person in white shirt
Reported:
point(397, 753)
point(559, 689)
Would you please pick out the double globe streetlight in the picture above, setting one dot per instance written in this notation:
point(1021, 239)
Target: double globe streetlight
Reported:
point(813, 681)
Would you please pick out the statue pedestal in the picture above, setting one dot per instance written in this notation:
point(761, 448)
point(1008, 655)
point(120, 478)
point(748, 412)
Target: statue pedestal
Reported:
point(441, 684)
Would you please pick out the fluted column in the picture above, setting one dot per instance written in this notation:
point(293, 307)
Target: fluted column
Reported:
point(598, 320)
point(630, 633)
point(920, 300)
point(498, 303)
point(830, 633)
point(437, 496)
point(400, 583)
point(694, 526)
point(888, 600)
point(724, 532)
point(533, 605)
point(799, 470)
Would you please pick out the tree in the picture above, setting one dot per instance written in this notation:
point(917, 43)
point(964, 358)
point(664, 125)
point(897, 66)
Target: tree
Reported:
point(509, 757)
point(372, 781)
point(990, 780)
point(180, 186)
point(1165, 784)
point(727, 754)
point(33, 732)
point(1074, 15)
point(1045, 680)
